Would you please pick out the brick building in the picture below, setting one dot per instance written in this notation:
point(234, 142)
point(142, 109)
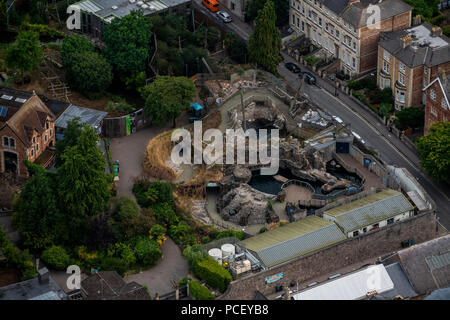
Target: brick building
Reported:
point(345, 29)
point(408, 60)
point(436, 100)
point(26, 131)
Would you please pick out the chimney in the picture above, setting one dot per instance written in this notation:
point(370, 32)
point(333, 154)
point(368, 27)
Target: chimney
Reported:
point(43, 276)
point(406, 41)
point(417, 20)
point(436, 32)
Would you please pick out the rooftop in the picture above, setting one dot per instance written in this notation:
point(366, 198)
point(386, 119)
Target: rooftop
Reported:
point(371, 209)
point(424, 49)
point(32, 290)
point(293, 240)
point(89, 116)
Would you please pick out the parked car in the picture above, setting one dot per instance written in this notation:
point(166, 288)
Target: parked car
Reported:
point(339, 120)
point(212, 5)
point(292, 67)
point(309, 78)
point(357, 136)
point(224, 16)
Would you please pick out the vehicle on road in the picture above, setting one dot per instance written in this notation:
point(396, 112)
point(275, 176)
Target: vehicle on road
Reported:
point(212, 5)
point(357, 136)
point(309, 78)
point(292, 67)
point(339, 120)
point(224, 16)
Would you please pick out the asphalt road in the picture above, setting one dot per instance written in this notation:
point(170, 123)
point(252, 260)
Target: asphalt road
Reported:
point(376, 136)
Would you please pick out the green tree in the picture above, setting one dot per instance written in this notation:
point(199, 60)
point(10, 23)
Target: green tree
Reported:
point(127, 44)
point(166, 97)
point(281, 8)
point(83, 187)
point(25, 54)
point(409, 117)
point(434, 151)
point(71, 134)
point(56, 257)
point(265, 42)
point(125, 208)
point(72, 45)
point(147, 251)
point(235, 48)
point(89, 73)
point(37, 211)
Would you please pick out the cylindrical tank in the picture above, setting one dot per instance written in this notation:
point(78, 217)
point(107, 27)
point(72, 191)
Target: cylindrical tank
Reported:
point(216, 254)
point(228, 250)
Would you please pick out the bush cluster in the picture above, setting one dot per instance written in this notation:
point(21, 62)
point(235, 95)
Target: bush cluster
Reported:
point(56, 257)
point(199, 291)
point(214, 274)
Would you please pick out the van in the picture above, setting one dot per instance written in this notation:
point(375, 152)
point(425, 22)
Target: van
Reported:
point(212, 5)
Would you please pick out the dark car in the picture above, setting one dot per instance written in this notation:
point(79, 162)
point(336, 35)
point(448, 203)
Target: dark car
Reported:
point(309, 78)
point(292, 67)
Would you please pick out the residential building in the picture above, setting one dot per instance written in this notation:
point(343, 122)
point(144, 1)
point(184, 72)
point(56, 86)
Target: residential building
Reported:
point(109, 285)
point(408, 60)
point(370, 213)
point(293, 240)
point(27, 132)
point(444, 4)
point(40, 288)
point(345, 28)
point(436, 97)
point(96, 13)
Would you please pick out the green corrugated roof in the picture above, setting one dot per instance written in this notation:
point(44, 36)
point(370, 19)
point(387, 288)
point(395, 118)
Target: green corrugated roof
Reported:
point(368, 210)
point(293, 240)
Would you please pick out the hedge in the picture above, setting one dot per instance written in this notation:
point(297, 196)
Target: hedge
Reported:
point(199, 291)
point(214, 274)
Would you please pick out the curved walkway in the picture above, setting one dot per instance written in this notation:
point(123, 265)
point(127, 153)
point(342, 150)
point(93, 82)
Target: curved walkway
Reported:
point(172, 266)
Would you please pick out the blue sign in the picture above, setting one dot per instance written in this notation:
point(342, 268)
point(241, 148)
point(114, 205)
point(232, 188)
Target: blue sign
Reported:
point(274, 278)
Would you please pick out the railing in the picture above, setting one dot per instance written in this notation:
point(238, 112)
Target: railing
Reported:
point(298, 183)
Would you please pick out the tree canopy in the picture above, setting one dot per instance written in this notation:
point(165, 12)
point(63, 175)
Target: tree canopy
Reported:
point(409, 117)
point(71, 134)
point(72, 45)
point(265, 42)
point(434, 151)
point(127, 44)
point(281, 9)
point(25, 54)
point(166, 97)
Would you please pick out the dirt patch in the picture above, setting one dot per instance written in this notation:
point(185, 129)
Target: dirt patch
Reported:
point(156, 154)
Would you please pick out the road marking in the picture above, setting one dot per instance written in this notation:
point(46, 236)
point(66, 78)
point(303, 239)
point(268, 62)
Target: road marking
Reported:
point(387, 141)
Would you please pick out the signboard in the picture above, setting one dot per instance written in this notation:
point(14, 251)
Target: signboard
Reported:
point(274, 278)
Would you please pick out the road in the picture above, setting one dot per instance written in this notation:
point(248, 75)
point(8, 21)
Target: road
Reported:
point(238, 27)
point(376, 135)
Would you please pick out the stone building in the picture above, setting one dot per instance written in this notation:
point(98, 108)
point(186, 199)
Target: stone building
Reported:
point(346, 29)
point(27, 132)
point(436, 100)
point(408, 60)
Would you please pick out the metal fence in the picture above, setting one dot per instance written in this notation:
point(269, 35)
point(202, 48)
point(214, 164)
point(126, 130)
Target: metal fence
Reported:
point(125, 125)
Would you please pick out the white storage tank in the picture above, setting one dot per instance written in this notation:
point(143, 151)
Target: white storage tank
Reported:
point(228, 250)
point(216, 254)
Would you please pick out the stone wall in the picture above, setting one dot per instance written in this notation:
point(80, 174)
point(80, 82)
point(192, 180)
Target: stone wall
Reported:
point(372, 245)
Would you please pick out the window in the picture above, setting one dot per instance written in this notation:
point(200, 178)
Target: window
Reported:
point(425, 70)
point(326, 26)
point(354, 63)
point(401, 78)
point(34, 140)
point(45, 138)
point(355, 233)
point(12, 143)
point(354, 45)
point(433, 111)
point(387, 83)
point(46, 125)
point(402, 68)
point(390, 221)
point(385, 67)
point(293, 19)
point(365, 229)
point(320, 21)
point(303, 26)
point(326, 43)
point(375, 226)
point(443, 104)
point(32, 153)
point(37, 147)
point(433, 95)
point(402, 97)
point(386, 55)
point(6, 141)
point(319, 40)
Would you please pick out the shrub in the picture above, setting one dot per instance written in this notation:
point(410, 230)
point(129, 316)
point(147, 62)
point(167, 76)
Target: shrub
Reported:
point(114, 264)
point(230, 233)
point(386, 96)
point(124, 251)
point(214, 274)
point(199, 291)
point(164, 214)
point(56, 257)
point(360, 96)
point(120, 107)
point(409, 117)
point(157, 233)
point(147, 251)
point(262, 230)
point(125, 208)
point(194, 254)
point(312, 60)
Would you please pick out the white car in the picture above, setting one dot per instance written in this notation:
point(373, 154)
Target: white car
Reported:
point(224, 16)
point(339, 120)
point(357, 136)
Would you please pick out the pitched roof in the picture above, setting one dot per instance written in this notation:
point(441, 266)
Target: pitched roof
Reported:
point(425, 48)
point(427, 265)
point(445, 87)
point(371, 209)
point(293, 240)
point(109, 285)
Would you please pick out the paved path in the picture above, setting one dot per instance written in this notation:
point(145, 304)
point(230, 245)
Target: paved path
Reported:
point(377, 136)
point(129, 150)
point(172, 266)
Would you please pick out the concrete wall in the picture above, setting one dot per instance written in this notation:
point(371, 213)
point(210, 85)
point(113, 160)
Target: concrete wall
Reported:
point(374, 244)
